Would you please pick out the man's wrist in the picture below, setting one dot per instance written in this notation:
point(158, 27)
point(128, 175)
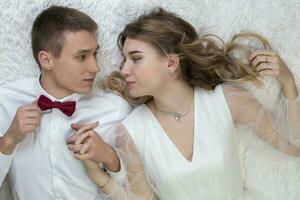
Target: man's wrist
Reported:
point(7, 144)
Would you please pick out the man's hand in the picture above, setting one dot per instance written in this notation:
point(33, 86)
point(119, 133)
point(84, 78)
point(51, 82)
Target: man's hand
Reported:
point(26, 120)
point(88, 145)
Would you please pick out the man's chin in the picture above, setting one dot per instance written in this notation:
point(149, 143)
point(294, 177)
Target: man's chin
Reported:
point(85, 90)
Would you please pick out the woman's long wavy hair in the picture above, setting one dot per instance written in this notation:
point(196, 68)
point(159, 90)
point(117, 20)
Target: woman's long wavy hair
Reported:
point(205, 61)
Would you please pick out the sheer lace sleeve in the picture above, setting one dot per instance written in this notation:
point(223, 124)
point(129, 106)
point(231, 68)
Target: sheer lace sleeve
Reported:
point(135, 186)
point(279, 127)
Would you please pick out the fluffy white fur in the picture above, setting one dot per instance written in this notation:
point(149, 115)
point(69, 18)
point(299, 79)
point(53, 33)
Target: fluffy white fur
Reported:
point(278, 20)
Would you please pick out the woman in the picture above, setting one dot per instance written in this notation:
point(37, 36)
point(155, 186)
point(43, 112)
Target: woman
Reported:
point(182, 143)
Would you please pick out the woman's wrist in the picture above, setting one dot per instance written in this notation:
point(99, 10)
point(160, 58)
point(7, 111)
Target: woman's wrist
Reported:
point(112, 189)
point(290, 91)
point(105, 183)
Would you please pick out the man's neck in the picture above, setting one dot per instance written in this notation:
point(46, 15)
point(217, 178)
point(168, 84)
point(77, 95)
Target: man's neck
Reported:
point(53, 89)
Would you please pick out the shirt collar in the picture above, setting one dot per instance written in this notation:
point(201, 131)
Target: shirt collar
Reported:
point(40, 91)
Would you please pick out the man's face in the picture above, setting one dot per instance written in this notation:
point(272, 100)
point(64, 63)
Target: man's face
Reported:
point(75, 70)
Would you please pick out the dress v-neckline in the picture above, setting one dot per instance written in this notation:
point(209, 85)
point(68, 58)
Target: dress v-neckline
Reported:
point(169, 140)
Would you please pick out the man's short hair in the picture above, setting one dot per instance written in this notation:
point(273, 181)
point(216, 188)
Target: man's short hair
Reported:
point(51, 24)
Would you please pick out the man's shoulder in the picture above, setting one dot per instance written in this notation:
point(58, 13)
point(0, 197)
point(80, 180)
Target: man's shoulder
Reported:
point(106, 104)
point(102, 98)
point(17, 84)
point(105, 95)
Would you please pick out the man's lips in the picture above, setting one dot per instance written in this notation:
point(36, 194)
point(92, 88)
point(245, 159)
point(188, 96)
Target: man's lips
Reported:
point(89, 81)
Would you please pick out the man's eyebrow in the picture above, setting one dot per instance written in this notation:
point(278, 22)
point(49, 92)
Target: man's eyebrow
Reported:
point(82, 51)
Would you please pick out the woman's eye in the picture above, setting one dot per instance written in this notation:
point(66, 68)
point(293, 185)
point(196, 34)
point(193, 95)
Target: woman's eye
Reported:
point(122, 64)
point(123, 61)
point(135, 59)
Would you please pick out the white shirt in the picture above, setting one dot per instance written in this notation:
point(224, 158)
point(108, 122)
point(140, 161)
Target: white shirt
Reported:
point(42, 167)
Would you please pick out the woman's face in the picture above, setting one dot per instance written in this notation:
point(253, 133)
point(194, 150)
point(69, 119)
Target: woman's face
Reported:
point(144, 68)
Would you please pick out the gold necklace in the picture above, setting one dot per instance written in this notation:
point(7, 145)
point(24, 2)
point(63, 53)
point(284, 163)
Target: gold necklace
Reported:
point(176, 115)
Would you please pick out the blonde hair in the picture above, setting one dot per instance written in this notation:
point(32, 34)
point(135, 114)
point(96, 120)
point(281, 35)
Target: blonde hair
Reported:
point(205, 61)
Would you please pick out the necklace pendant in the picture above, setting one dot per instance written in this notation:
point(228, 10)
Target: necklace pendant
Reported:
point(177, 117)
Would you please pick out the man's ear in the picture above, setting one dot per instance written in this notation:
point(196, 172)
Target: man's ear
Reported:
point(173, 64)
point(46, 60)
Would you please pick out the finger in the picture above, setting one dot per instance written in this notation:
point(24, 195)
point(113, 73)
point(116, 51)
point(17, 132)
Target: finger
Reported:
point(29, 128)
point(262, 52)
point(71, 147)
point(32, 114)
point(264, 66)
point(31, 107)
point(77, 139)
point(81, 157)
point(259, 60)
point(84, 148)
point(78, 126)
point(86, 128)
point(95, 136)
point(31, 121)
point(35, 103)
point(71, 139)
point(262, 59)
point(74, 147)
point(268, 73)
point(82, 137)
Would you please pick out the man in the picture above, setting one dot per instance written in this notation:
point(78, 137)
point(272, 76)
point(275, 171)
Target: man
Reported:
point(37, 114)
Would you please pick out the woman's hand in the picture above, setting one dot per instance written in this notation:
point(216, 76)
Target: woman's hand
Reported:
point(269, 63)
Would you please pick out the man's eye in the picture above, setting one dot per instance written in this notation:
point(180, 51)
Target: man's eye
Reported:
point(96, 53)
point(81, 57)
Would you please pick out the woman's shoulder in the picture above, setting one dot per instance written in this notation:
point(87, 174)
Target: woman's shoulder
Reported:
point(206, 94)
point(135, 124)
point(137, 115)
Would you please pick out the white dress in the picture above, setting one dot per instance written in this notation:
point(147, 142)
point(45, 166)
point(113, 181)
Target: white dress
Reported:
point(214, 171)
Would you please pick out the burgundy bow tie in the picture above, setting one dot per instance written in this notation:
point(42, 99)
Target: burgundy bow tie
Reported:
point(67, 108)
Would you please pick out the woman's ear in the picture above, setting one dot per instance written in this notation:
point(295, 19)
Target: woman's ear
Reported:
point(173, 64)
point(45, 60)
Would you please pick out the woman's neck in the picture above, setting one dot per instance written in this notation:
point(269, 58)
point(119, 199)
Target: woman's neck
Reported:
point(174, 98)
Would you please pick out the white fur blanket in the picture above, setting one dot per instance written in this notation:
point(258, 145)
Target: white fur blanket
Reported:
point(278, 20)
